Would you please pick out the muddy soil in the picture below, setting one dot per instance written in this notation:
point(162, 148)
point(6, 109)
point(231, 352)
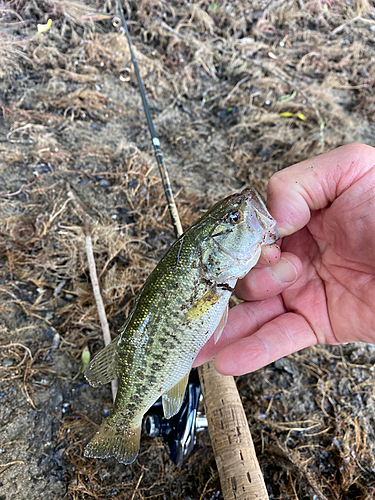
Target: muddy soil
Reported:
point(237, 90)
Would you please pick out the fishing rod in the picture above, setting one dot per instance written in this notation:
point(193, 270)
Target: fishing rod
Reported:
point(239, 471)
point(155, 141)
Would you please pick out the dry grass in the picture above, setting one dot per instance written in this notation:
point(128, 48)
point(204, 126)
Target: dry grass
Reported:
point(238, 90)
point(331, 452)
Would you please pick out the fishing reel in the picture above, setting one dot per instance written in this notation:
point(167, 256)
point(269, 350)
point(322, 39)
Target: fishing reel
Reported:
point(179, 432)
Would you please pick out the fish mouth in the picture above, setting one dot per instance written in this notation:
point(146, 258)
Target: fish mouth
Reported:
point(268, 239)
point(266, 224)
point(239, 256)
point(271, 237)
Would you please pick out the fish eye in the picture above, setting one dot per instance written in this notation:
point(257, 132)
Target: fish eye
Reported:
point(233, 217)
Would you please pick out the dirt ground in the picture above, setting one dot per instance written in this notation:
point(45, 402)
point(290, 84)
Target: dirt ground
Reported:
point(237, 90)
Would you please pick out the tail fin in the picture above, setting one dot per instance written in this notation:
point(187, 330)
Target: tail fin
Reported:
point(115, 440)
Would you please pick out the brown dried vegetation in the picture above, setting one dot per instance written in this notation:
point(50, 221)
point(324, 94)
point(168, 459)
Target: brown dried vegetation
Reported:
point(238, 90)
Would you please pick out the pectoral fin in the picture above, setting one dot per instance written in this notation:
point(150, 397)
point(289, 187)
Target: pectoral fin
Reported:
point(172, 399)
point(201, 306)
point(221, 325)
point(103, 368)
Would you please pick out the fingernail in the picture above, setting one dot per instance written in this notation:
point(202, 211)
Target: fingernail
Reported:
point(264, 253)
point(217, 371)
point(284, 271)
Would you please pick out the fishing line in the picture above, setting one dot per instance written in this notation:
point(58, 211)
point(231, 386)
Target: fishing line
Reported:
point(155, 141)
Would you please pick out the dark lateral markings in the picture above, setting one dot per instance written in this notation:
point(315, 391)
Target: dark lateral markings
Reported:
point(225, 286)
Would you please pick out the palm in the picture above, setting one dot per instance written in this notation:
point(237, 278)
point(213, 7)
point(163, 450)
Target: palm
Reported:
point(336, 291)
point(326, 209)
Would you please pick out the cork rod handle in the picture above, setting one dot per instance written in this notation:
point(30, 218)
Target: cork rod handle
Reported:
point(239, 471)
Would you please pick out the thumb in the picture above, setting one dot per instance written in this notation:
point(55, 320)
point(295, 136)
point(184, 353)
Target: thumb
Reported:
point(314, 184)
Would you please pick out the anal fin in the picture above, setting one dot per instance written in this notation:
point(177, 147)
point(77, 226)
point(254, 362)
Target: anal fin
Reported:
point(103, 368)
point(172, 399)
point(221, 325)
point(116, 440)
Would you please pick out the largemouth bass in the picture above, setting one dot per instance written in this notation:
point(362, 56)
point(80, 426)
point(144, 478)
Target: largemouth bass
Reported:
point(183, 302)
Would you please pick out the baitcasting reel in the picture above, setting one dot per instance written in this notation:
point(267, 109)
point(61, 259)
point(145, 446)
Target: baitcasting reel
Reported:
point(178, 432)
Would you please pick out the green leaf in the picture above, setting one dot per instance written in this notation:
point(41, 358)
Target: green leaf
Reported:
point(301, 116)
point(85, 358)
point(286, 98)
point(240, 68)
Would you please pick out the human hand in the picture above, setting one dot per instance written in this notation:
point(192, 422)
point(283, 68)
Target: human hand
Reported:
point(322, 290)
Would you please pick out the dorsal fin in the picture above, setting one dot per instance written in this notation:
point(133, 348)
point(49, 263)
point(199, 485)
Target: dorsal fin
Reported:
point(103, 368)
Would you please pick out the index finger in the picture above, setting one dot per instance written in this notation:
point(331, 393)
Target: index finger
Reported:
point(313, 184)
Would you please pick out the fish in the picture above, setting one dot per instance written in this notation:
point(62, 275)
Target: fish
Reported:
point(182, 304)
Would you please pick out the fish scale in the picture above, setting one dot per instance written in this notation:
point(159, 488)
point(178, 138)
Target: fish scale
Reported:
point(182, 303)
